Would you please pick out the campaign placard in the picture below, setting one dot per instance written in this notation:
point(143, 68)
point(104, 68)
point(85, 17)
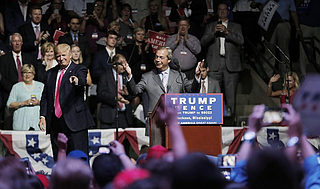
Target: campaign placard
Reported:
point(266, 15)
point(156, 40)
point(197, 108)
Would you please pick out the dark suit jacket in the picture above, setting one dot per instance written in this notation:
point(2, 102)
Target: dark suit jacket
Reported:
point(152, 85)
point(82, 43)
point(101, 63)
point(106, 93)
point(74, 110)
point(14, 18)
point(233, 39)
point(213, 86)
point(9, 72)
point(29, 37)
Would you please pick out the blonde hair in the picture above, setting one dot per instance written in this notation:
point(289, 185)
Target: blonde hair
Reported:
point(45, 47)
point(62, 47)
point(295, 78)
point(80, 54)
point(160, 17)
point(27, 68)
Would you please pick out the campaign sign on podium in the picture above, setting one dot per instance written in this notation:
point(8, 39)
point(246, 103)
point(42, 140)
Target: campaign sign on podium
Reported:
point(200, 116)
point(197, 108)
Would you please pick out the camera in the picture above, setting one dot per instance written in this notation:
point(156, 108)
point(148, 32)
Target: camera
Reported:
point(226, 160)
point(104, 149)
point(225, 163)
point(273, 115)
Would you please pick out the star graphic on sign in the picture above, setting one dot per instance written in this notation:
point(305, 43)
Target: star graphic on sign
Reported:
point(44, 160)
point(95, 140)
point(272, 136)
point(31, 142)
point(35, 155)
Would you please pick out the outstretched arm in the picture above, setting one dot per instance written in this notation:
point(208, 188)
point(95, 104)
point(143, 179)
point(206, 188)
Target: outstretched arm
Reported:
point(169, 117)
point(118, 149)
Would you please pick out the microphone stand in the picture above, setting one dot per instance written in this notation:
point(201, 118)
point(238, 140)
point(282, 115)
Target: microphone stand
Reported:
point(287, 73)
point(117, 111)
point(179, 70)
point(287, 68)
point(117, 99)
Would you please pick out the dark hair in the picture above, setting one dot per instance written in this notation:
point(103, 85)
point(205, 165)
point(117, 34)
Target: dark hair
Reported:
point(105, 167)
point(197, 171)
point(183, 18)
point(35, 7)
point(35, 182)
point(111, 32)
point(270, 168)
point(74, 17)
point(126, 5)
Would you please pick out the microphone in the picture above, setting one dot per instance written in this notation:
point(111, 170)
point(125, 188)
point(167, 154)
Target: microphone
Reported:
point(176, 63)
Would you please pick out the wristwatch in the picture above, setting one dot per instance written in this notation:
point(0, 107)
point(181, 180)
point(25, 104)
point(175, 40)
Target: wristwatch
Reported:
point(293, 141)
point(249, 136)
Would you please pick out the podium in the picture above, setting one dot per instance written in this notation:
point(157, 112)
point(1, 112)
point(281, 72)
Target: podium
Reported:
point(200, 116)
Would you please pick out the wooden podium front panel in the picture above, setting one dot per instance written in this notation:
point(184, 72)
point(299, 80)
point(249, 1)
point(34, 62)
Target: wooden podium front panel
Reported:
point(206, 139)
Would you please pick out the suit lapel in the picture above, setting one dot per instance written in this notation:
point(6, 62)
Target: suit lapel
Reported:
point(172, 77)
point(52, 80)
point(13, 65)
point(112, 78)
point(157, 79)
point(68, 74)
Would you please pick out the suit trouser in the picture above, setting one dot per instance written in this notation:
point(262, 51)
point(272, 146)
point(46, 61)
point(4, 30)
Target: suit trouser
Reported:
point(229, 80)
point(76, 140)
point(281, 37)
point(309, 32)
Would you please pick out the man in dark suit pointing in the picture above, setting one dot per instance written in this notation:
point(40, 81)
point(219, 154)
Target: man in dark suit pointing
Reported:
point(62, 106)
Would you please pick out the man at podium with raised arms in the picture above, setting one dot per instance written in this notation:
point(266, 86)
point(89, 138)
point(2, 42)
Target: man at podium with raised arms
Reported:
point(163, 79)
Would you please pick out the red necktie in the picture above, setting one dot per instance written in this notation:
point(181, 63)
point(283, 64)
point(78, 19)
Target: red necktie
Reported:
point(37, 35)
point(57, 108)
point(120, 104)
point(19, 68)
point(37, 31)
point(204, 90)
point(75, 41)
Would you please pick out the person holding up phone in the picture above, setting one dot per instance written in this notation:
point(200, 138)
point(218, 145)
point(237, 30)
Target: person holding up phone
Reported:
point(56, 16)
point(222, 39)
point(24, 99)
point(94, 25)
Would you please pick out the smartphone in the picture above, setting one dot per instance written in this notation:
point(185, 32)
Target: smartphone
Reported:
point(105, 149)
point(273, 115)
point(90, 8)
point(26, 163)
point(33, 97)
point(220, 22)
point(225, 164)
point(56, 11)
point(226, 160)
point(130, 21)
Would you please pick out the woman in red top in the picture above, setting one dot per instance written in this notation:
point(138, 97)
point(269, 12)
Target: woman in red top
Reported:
point(294, 85)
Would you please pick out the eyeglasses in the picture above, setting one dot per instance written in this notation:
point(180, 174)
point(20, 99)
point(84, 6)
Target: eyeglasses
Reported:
point(57, 3)
point(75, 23)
